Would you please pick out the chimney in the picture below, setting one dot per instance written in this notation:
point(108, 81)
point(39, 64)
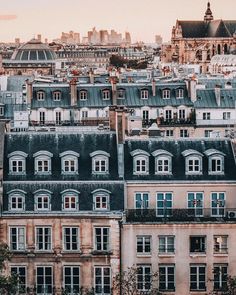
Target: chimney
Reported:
point(112, 118)
point(120, 124)
point(192, 92)
point(153, 87)
point(217, 94)
point(91, 77)
point(29, 91)
point(114, 91)
point(73, 92)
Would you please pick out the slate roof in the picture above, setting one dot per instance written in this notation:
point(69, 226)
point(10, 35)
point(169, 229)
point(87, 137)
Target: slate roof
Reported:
point(178, 162)
point(15, 83)
point(212, 82)
point(2, 133)
point(206, 99)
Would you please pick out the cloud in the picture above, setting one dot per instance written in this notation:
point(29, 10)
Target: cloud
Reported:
point(7, 16)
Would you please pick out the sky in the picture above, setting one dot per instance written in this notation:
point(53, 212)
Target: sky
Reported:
point(142, 18)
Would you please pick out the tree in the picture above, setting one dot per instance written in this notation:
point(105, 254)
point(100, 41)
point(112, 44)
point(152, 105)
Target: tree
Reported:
point(126, 283)
point(8, 284)
point(229, 289)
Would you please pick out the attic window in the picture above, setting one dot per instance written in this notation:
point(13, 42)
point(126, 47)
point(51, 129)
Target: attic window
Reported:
point(40, 95)
point(121, 93)
point(17, 162)
point(100, 162)
point(42, 162)
point(180, 93)
point(140, 162)
point(193, 162)
point(56, 95)
point(83, 95)
point(144, 94)
point(106, 94)
point(166, 93)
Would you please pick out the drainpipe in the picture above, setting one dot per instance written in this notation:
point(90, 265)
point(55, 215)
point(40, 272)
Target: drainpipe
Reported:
point(120, 252)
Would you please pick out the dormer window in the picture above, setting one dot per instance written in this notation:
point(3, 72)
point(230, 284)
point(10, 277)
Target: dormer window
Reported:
point(121, 93)
point(163, 162)
point(193, 162)
point(1, 110)
point(140, 162)
point(100, 162)
point(215, 161)
point(40, 95)
point(16, 200)
point(42, 162)
point(166, 93)
point(56, 95)
point(106, 94)
point(101, 200)
point(17, 162)
point(83, 95)
point(179, 93)
point(70, 200)
point(144, 94)
point(42, 200)
point(69, 162)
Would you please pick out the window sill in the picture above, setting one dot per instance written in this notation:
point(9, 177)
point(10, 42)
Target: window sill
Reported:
point(141, 255)
point(220, 254)
point(193, 173)
point(166, 255)
point(71, 251)
point(70, 173)
point(197, 254)
point(98, 252)
point(141, 173)
point(17, 173)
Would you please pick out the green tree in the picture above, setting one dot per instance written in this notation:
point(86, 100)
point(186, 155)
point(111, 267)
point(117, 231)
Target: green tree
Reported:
point(8, 284)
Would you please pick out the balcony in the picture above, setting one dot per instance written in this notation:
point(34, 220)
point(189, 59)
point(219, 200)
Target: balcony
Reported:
point(181, 215)
point(161, 122)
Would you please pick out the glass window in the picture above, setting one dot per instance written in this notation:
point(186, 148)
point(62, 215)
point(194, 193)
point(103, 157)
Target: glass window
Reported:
point(194, 165)
point(180, 93)
point(42, 202)
point(217, 204)
point(164, 204)
point(220, 277)
point(17, 202)
point(72, 279)
point(57, 95)
point(220, 244)
point(226, 115)
point(83, 95)
point(144, 278)
point(166, 244)
point(101, 201)
point(100, 164)
point(141, 165)
point(141, 201)
point(71, 238)
point(206, 116)
point(106, 94)
point(40, 95)
point(44, 280)
point(143, 245)
point(102, 280)
point(20, 271)
point(195, 203)
point(102, 239)
point(197, 244)
point(165, 93)
point(169, 133)
point(184, 133)
point(17, 238)
point(163, 165)
point(70, 202)
point(167, 277)
point(216, 165)
point(197, 277)
point(43, 238)
point(144, 94)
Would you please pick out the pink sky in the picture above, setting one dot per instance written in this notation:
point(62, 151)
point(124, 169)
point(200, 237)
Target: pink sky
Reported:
point(144, 19)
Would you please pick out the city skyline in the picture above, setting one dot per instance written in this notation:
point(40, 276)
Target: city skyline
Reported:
point(26, 19)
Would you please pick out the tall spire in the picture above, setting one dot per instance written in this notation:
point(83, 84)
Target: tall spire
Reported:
point(208, 14)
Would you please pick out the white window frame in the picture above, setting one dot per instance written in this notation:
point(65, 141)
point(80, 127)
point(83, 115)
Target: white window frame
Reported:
point(17, 156)
point(21, 287)
point(98, 157)
point(144, 94)
point(121, 93)
point(144, 204)
point(102, 281)
point(221, 165)
point(206, 116)
point(218, 203)
point(169, 244)
point(197, 266)
point(105, 246)
point(166, 210)
point(72, 284)
point(17, 195)
point(169, 133)
point(106, 94)
point(143, 276)
point(143, 241)
point(20, 237)
point(70, 194)
point(192, 155)
point(197, 203)
point(140, 156)
point(179, 93)
point(202, 244)
point(44, 279)
point(1, 110)
point(69, 156)
point(166, 275)
point(166, 93)
point(57, 95)
point(102, 195)
point(45, 195)
point(37, 242)
point(83, 94)
point(162, 155)
point(184, 133)
point(40, 95)
point(220, 244)
point(220, 273)
point(42, 156)
point(226, 115)
point(71, 229)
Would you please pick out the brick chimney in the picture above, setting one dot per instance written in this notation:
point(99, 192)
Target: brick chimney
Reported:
point(192, 92)
point(73, 92)
point(120, 124)
point(91, 77)
point(153, 87)
point(29, 91)
point(114, 90)
point(217, 94)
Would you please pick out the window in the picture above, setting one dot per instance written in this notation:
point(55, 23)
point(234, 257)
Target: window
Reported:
point(193, 162)
point(166, 244)
point(1, 111)
point(144, 277)
point(195, 203)
point(145, 115)
point(207, 133)
point(140, 162)
point(17, 201)
point(69, 162)
point(42, 162)
point(141, 200)
point(43, 239)
point(164, 204)
point(197, 277)
point(100, 163)
point(84, 114)
point(217, 204)
point(71, 238)
point(166, 94)
point(42, 202)
point(57, 95)
point(168, 115)
point(17, 238)
point(220, 272)
point(144, 94)
point(101, 200)
point(169, 133)
point(41, 117)
point(167, 277)
point(71, 279)
point(83, 95)
point(70, 200)
point(162, 162)
point(40, 95)
point(20, 271)
point(58, 117)
point(184, 133)
point(181, 114)
point(143, 245)
point(105, 94)
point(226, 115)
point(220, 244)
point(102, 280)
point(17, 162)
point(197, 244)
point(206, 116)
point(215, 161)
point(44, 282)
point(121, 93)
point(101, 239)
point(179, 93)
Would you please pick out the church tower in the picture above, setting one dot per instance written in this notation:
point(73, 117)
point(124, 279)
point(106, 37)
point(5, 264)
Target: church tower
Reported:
point(208, 14)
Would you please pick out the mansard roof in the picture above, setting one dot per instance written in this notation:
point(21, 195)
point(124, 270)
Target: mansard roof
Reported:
point(206, 98)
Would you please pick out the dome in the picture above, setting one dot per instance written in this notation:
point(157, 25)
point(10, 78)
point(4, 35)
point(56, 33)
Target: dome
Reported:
point(34, 50)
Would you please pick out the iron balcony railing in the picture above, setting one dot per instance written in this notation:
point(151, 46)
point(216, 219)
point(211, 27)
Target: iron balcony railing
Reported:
point(181, 215)
point(82, 122)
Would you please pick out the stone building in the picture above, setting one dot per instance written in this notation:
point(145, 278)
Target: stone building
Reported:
point(198, 41)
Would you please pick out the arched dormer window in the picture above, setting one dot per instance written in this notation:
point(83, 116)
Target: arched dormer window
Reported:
point(42, 162)
point(40, 95)
point(166, 93)
point(16, 200)
point(163, 162)
point(70, 200)
point(193, 162)
point(106, 94)
point(83, 94)
point(17, 162)
point(56, 95)
point(121, 93)
point(215, 161)
point(42, 200)
point(144, 94)
point(179, 93)
point(140, 162)
point(69, 162)
point(100, 162)
point(101, 200)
